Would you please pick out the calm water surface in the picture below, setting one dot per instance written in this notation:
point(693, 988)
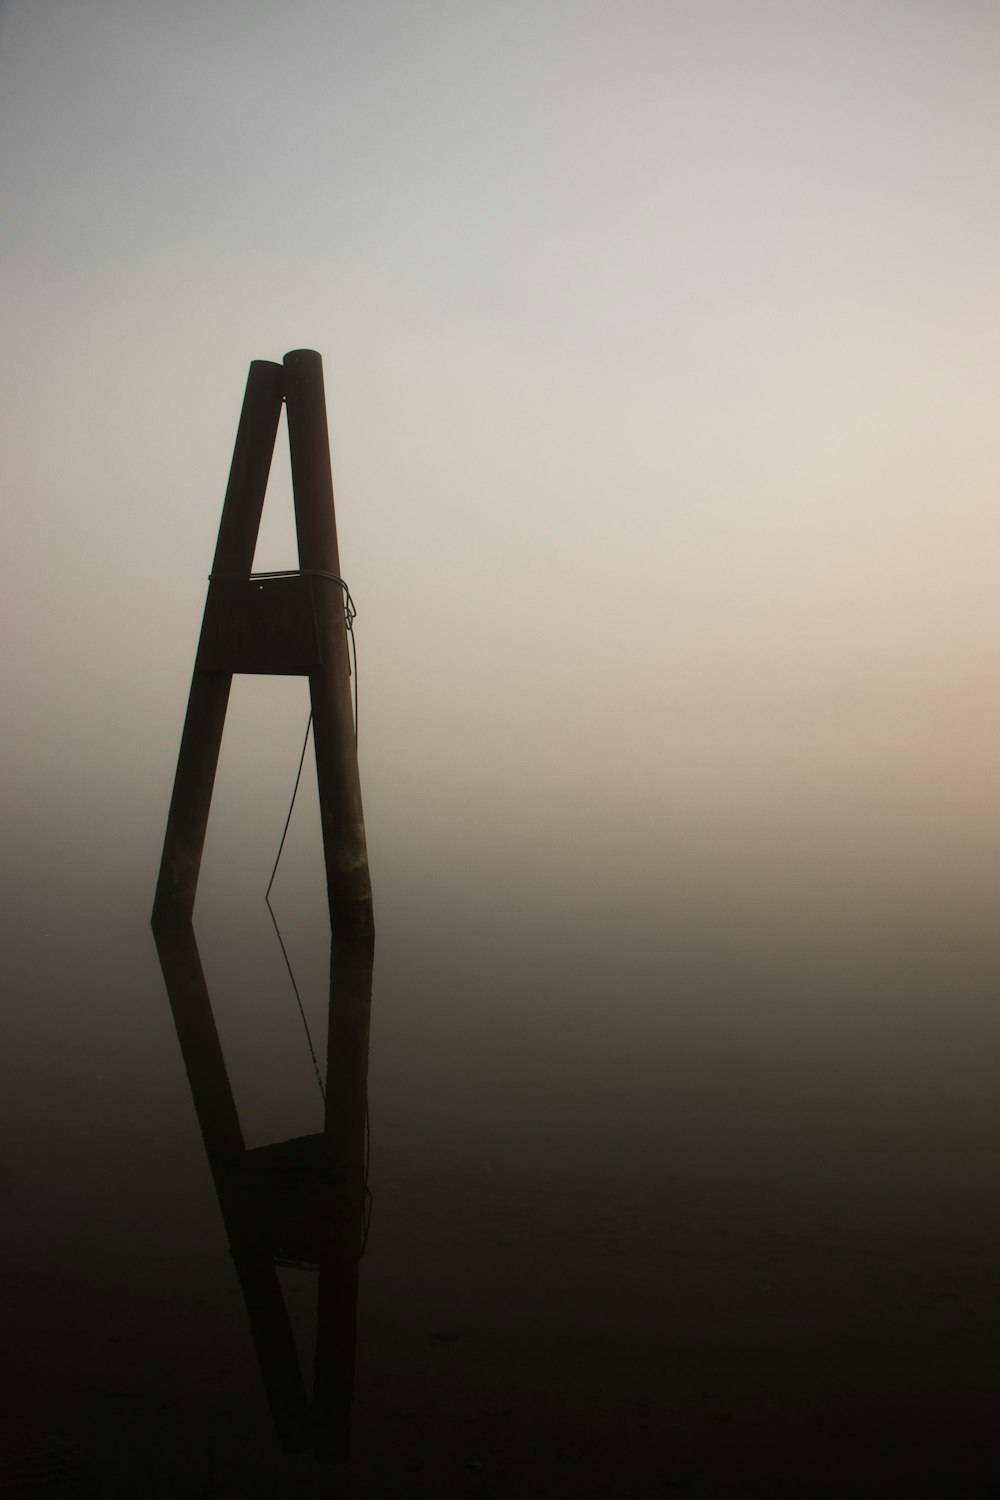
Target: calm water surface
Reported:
point(679, 1146)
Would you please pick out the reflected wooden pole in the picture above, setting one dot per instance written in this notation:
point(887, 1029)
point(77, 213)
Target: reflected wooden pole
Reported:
point(342, 1243)
point(301, 1201)
point(247, 1224)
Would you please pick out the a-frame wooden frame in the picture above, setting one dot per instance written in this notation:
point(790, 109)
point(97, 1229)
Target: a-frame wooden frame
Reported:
point(302, 1201)
point(289, 623)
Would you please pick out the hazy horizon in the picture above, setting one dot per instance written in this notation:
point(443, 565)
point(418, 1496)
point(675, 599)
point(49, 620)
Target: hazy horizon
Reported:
point(660, 357)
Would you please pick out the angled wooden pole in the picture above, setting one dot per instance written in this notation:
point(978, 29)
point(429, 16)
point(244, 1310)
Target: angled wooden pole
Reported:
point(209, 698)
point(345, 849)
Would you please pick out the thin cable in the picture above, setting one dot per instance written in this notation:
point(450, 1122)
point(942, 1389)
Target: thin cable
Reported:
point(291, 808)
point(354, 673)
point(298, 997)
point(277, 929)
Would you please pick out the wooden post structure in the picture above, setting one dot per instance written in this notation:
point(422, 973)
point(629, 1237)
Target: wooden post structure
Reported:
point(244, 1204)
point(302, 1201)
point(289, 623)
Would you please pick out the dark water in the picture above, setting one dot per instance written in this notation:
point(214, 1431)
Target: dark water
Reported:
point(677, 1182)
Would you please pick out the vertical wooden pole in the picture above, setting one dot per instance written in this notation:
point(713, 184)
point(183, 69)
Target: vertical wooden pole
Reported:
point(206, 711)
point(347, 878)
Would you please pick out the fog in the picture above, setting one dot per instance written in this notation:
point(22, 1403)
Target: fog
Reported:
point(661, 359)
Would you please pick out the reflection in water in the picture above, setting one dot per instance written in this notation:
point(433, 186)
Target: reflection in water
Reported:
point(300, 1202)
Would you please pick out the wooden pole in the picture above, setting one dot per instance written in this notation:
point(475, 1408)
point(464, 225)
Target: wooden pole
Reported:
point(209, 698)
point(345, 849)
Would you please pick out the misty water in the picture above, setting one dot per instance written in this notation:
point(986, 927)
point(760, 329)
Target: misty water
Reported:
point(680, 1136)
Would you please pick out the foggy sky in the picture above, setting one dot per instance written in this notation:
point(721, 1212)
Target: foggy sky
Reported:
point(662, 364)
